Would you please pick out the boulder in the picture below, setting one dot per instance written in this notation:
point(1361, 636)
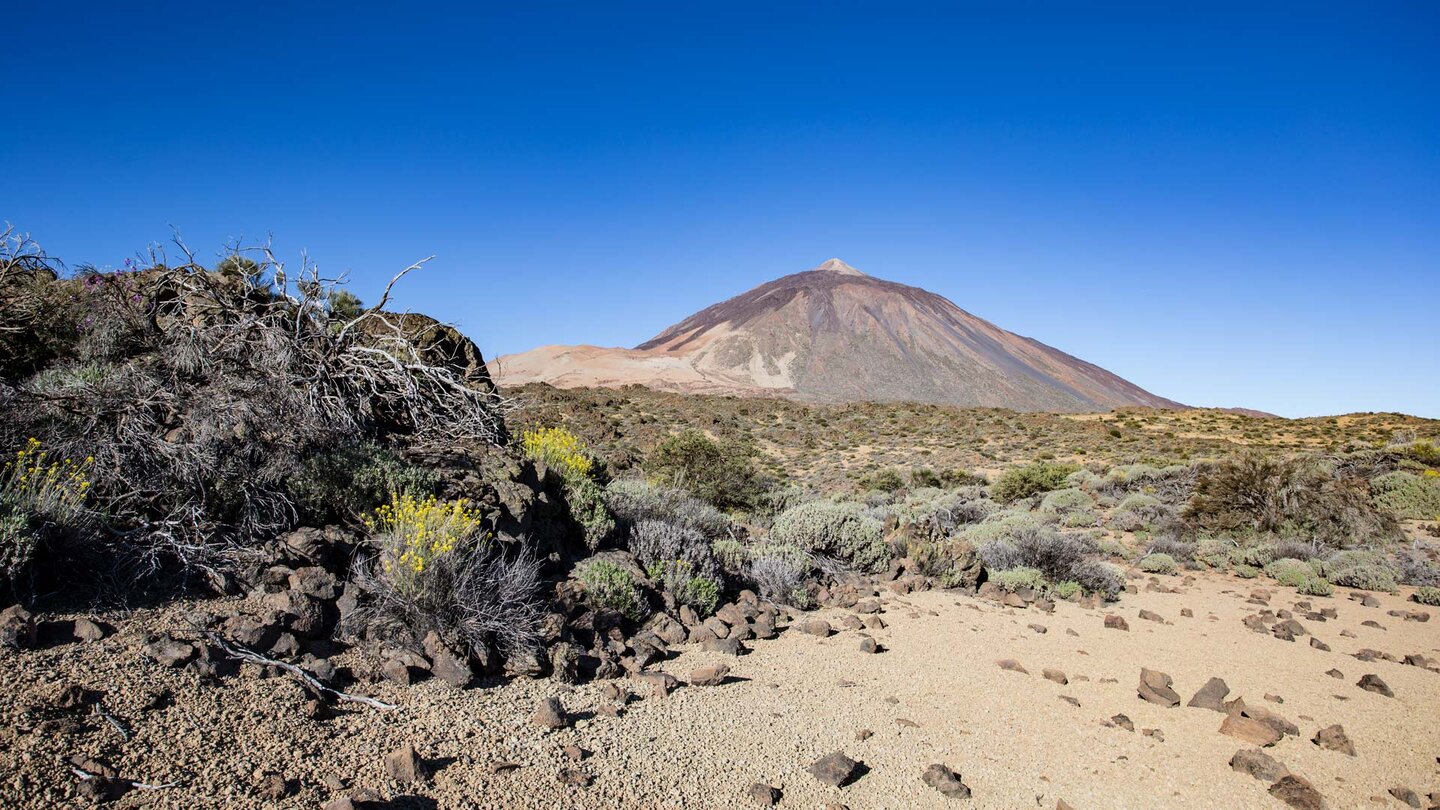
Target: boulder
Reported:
point(1372, 683)
point(1114, 622)
point(814, 627)
point(1250, 730)
point(1334, 738)
point(709, 675)
point(550, 714)
point(762, 795)
point(1258, 764)
point(1155, 688)
point(1298, 793)
point(169, 652)
point(1211, 696)
point(17, 628)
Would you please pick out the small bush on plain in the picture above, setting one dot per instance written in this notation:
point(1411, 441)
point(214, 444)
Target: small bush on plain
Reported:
point(610, 586)
point(839, 530)
point(1033, 479)
point(1158, 564)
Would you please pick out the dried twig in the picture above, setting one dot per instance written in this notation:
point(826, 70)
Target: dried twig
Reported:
point(88, 775)
point(240, 652)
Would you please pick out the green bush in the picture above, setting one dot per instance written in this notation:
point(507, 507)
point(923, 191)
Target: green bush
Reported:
point(351, 480)
point(1290, 572)
point(1114, 548)
point(1080, 519)
point(1066, 589)
point(1408, 495)
point(732, 555)
point(1362, 570)
point(1013, 579)
point(1246, 571)
point(680, 579)
point(1140, 511)
point(633, 501)
point(722, 474)
point(839, 530)
point(1158, 564)
point(610, 586)
point(586, 501)
point(1428, 596)
point(883, 481)
point(1315, 586)
point(1065, 501)
point(1032, 479)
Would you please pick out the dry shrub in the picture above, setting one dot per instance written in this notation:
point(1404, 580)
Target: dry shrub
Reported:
point(200, 393)
point(1294, 496)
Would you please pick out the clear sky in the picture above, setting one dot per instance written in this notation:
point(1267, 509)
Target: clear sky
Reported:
point(1227, 203)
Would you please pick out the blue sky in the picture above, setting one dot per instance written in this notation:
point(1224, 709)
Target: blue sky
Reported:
point(1226, 203)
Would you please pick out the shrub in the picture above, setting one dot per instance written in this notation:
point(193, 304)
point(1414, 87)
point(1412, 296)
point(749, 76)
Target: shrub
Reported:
point(1182, 550)
point(1416, 569)
point(634, 501)
point(351, 480)
point(887, 480)
point(1066, 589)
point(1213, 551)
point(654, 541)
point(1033, 479)
point(608, 585)
point(41, 498)
point(1064, 501)
point(1158, 564)
point(999, 525)
point(1080, 519)
point(1013, 579)
point(1315, 586)
point(434, 571)
point(1428, 596)
point(558, 449)
point(1296, 496)
point(689, 587)
point(1363, 570)
point(779, 574)
point(1056, 555)
point(1292, 572)
point(839, 530)
point(1099, 578)
point(940, 515)
point(722, 474)
point(202, 393)
point(586, 502)
point(732, 555)
point(1408, 495)
point(1115, 548)
point(1140, 511)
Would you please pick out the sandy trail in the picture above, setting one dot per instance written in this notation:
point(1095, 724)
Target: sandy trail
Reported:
point(1011, 736)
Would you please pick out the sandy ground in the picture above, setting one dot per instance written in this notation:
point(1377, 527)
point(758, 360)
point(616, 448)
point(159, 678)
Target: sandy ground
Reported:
point(933, 694)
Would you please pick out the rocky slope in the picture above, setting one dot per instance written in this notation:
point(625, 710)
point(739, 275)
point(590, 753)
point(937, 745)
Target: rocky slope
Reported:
point(835, 334)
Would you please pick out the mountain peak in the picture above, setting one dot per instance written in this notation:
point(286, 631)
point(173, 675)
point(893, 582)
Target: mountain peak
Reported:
point(838, 266)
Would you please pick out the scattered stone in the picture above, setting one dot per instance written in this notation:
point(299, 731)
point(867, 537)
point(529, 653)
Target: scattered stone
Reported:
point(502, 766)
point(1249, 730)
point(1334, 738)
point(1055, 675)
point(550, 714)
point(709, 675)
point(1040, 628)
point(1187, 613)
point(1406, 795)
point(17, 628)
point(1211, 696)
point(575, 752)
point(1258, 764)
point(1151, 616)
point(1372, 683)
point(834, 769)
point(1298, 793)
point(273, 787)
point(1154, 732)
point(1012, 665)
point(1319, 645)
point(1115, 622)
point(946, 781)
point(814, 627)
point(1123, 722)
point(1155, 688)
point(574, 778)
point(89, 630)
point(723, 646)
point(1335, 673)
point(455, 671)
point(1274, 698)
point(763, 795)
point(1073, 701)
point(868, 645)
point(864, 734)
point(170, 652)
point(404, 765)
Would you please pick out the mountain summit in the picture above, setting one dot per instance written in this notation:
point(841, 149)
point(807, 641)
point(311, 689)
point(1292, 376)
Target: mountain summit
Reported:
point(836, 334)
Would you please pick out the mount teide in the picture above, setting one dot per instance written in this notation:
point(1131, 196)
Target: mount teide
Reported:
point(835, 334)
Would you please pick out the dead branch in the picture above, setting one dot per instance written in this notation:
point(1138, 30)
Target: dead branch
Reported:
point(239, 652)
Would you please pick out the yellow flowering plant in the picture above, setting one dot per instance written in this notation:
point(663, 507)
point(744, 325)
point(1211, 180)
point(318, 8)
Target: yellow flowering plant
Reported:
point(34, 481)
point(557, 448)
point(417, 534)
